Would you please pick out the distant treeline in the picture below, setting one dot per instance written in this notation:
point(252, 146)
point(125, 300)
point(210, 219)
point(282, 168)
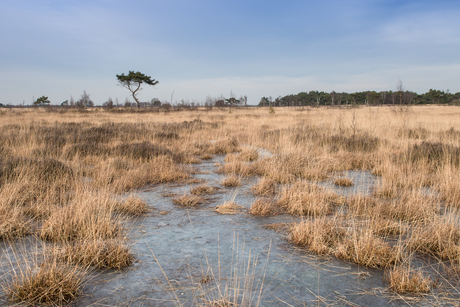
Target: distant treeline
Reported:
point(315, 98)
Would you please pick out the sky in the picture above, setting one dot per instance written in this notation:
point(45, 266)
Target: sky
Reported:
point(202, 48)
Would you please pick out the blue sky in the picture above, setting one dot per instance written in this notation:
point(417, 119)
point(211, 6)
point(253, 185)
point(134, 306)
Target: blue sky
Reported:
point(209, 48)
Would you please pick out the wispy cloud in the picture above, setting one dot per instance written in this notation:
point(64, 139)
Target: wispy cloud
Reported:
point(255, 48)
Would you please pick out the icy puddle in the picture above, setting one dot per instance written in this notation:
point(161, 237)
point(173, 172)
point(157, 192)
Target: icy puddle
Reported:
point(189, 257)
point(196, 256)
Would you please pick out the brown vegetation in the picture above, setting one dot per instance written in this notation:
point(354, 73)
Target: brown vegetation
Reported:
point(343, 182)
point(60, 175)
point(404, 279)
point(231, 181)
point(264, 207)
point(188, 200)
point(265, 187)
point(51, 283)
point(229, 207)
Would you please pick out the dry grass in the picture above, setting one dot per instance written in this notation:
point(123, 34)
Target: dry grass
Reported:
point(97, 253)
point(329, 236)
point(404, 279)
point(224, 146)
point(206, 156)
point(385, 227)
point(90, 216)
point(320, 235)
point(62, 171)
point(13, 224)
point(440, 238)
point(247, 155)
point(304, 198)
point(264, 207)
point(229, 207)
point(238, 168)
point(265, 187)
point(133, 205)
point(363, 206)
point(50, 283)
point(189, 200)
point(231, 181)
point(202, 190)
point(363, 247)
point(343, 182)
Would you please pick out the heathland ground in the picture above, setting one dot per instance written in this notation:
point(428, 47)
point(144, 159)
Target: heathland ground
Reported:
point(70, 181)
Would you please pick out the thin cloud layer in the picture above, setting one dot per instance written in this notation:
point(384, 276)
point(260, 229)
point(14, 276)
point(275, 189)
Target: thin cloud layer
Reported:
point(253, 48)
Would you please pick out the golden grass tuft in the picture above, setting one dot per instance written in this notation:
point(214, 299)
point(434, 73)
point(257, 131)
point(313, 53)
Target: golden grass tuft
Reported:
point(363, 247)
point(303, 198)
point(229, 207)
point(237, 168)
point(224, 146)
point(359, 205)
point(265, 187)
point(188, 200)
point(385, 227)
point(404, 279)
point(205, 156)
point(133, 205)
point(439, 238)
point(343, 182)
point(202, 190)
point(247, 155)
point(329, 236)
point(13, 224)
point(50, 283)
point(90, 216)
point(410, 207)
point(264, 207)
point(231, 181)
point(319, 235)
point(97, 253)
point(161, 169)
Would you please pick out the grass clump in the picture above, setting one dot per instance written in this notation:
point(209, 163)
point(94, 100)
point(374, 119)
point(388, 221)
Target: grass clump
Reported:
point(410, 207)
point(354, 143)
point(319, 235)
point(437, 153)
point(404, 279)
point(343, 182)
point(50, 283)
point(189, 200)
point(44, 170)
point(247, 155)
point(88, 217)
point(263, 207)
point(439, 238)
point(363, 247)
point(202, 190)
point(238, 168)
point(100, 254)
point(303, 198)
point(231, 181)
point(225, 146)
point(144, 151)
point(229, 207)
point(360, 205)
point(265, 187)
point(13, 224)
point(133, 205)
point(328, 236)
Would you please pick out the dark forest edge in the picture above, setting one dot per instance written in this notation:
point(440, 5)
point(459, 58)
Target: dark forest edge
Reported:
point(315, 98)
point(311, 98)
